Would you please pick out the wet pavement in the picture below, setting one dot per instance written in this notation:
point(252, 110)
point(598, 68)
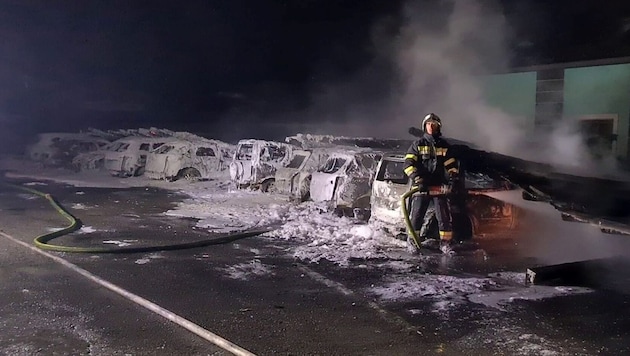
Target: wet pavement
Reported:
point(255, 294)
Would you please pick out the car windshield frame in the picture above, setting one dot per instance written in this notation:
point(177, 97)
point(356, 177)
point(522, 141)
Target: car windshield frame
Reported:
point(245, 152)
point(333, 165)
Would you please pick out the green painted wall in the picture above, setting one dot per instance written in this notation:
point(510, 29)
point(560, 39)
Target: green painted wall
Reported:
point(514, 94)
point(600, 90)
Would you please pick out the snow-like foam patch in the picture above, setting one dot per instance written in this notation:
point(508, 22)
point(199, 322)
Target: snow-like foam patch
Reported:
point(446, 292)
point(86, 230)
point(79, 206)
point(246, 271)
point(500, 299)
point(120, 243)
point(148, 258)
point(328, 237)
point(396, 265)
point(430, 287)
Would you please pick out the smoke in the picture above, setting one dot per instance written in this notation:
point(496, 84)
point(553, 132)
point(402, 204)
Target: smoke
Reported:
point(433, 58)
point(428, 59)
point(443, 69)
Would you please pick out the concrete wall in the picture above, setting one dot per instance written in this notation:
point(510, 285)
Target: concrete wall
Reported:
point(598, 91)
point(513, 93)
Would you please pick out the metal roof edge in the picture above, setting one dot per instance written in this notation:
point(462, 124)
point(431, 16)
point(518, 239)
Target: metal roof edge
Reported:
point(564, 65)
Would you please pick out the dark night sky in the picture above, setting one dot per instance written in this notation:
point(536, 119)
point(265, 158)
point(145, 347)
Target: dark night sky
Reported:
point(184, 64)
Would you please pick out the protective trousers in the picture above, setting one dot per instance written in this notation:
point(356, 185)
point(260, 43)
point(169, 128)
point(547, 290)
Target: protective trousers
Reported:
point(419, 206)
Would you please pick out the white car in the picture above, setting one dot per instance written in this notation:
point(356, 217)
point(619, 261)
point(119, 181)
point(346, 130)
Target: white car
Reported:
point(127, 156)
point(59, 149)
point(255, 163)
point(192, 160)
point(345, 180)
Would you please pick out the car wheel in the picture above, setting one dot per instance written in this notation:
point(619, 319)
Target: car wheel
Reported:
point(190, 174)
point(268, 186)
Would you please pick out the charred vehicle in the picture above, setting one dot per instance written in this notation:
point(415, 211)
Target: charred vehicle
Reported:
point(255, 163)
point(481, 215)
point(93, 160)
point(127, 156)
point(345, 180)
point(294, 180)
point(191, 160)
point(59, 149)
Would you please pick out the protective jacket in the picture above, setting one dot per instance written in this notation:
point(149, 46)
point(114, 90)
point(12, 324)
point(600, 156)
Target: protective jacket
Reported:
point(429, 159)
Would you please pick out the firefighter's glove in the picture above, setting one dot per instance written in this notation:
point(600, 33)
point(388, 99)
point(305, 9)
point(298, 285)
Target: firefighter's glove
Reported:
point(417, 183)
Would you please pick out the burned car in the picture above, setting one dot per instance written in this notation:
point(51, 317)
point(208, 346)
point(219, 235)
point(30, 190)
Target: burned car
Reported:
point(93, 160)
point(483, 215)
point(345, 180)
point(255, 163)
point(294, 180)
point(188, 159)
point(59, 149)
point(127, 156)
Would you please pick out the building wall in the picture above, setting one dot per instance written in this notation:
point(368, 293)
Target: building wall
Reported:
point(513, 93)
point(598, 91)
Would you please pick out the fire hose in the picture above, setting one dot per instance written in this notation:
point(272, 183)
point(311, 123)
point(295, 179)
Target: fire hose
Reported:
point(42, 241)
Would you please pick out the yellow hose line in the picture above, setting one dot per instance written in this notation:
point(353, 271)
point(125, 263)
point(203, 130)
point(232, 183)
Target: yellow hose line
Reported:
point(405, 212)
point(41, 241)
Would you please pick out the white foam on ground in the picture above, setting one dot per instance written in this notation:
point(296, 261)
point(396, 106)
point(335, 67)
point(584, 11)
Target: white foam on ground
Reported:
point(247, 271)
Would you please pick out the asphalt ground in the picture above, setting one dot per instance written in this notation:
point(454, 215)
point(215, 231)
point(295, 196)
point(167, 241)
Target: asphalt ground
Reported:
point(293, 308)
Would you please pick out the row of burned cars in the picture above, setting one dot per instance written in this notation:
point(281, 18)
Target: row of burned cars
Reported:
point(359, 177)
point(157, 154)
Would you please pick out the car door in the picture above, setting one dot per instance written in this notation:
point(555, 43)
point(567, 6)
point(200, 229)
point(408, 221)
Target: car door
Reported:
point(390, 183)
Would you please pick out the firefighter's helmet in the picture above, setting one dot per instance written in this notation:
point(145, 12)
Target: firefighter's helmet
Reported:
point(431, 117)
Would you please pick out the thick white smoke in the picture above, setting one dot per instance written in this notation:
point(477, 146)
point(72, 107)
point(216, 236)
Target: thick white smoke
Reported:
point(444, 74)
point(441, 69)
point(440, 54)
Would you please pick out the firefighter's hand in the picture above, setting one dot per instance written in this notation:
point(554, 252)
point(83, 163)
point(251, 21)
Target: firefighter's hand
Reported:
point(417, 183)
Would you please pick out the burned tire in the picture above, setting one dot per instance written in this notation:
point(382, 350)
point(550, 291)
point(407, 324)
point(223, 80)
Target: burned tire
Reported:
point(268, 186)
point(138, 172)
point(189, 174)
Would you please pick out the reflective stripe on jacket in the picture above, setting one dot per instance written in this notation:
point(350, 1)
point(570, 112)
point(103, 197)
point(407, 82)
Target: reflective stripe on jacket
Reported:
point(430, 159)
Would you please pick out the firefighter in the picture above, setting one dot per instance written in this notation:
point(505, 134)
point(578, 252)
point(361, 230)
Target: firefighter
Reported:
point(429, 164)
